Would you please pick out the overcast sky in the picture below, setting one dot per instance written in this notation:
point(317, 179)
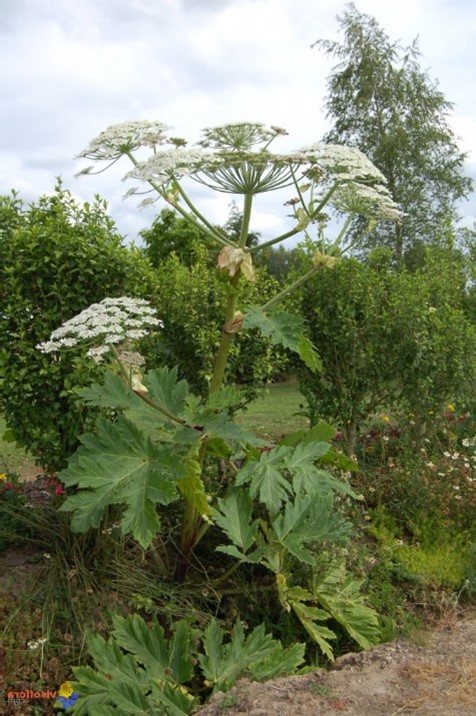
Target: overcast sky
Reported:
point(71, 68)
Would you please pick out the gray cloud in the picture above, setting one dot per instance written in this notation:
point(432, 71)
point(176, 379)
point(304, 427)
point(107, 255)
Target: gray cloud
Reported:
point(72, 69)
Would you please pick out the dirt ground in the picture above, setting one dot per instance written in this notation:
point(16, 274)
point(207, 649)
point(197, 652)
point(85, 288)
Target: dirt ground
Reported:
point(435, 679)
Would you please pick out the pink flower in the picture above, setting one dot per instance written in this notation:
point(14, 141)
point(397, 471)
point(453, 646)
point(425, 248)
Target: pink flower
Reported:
point(59, 489)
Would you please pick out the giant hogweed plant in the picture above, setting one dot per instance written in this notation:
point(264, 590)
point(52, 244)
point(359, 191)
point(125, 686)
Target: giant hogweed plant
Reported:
point(160, 444)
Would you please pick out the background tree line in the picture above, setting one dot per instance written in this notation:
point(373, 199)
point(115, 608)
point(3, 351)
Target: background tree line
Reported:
point(393, 324)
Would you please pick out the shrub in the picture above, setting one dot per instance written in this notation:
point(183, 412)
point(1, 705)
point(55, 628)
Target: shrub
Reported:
point(56, 258)
point(387, 339)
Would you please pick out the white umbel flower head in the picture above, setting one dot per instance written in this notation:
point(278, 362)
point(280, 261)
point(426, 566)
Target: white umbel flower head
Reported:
point(342, 162)
point(372, 201)
point(125, 137)
point(112, 321)
point(236, 159)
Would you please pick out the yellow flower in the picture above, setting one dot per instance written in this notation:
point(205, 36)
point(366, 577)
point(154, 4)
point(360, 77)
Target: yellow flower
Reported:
point(3, 477)
point(65, 690)
point(386, 419)
point(450, 407)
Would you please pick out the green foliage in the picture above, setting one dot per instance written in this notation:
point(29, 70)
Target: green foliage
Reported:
point(190, 300)
point(171, 234)
point(117, 465)
point(140, 671)
point(383, 102)
point(56, 258)
point(435, 555)
point(340, 595)
point(387, 339)
point(284, 329)
point(287, 470)
point(334, 595)
point(144, 457)
point(259, 653)
point(298, 497)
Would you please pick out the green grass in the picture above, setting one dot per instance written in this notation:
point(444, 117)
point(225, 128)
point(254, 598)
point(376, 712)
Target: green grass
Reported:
point(275, 414)
point(13, 458)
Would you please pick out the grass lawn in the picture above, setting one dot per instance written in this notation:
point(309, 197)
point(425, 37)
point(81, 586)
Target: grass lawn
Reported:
point(274, 415)
point(12, 458)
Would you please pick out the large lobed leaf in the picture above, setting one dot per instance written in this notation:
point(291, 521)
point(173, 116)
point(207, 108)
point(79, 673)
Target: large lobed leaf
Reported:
point(234, 517)
point(169, 659)
point(287, 470)
point(118, 465)
point(340, 595)
point(256, 654)
point(139, 671)
point(285, 329)
point(144, 681)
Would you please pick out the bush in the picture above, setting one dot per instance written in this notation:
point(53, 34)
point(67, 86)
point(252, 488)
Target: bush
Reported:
point(387, 339)
point(56, 258)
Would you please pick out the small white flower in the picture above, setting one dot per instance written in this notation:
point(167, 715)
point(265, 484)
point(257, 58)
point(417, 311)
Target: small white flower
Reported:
point(36, 643)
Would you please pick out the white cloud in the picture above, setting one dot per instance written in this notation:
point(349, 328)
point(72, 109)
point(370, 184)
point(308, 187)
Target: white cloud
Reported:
point(76, 67)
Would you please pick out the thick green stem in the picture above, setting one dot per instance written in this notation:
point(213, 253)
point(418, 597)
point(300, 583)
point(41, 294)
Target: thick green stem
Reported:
point(344, 230)
point(226, 337)
point(193, 527)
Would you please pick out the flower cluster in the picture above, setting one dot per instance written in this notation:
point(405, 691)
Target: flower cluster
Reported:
point(36, 643)
point(344, 163)
point(103, 324)
point(53, 483)
point(374, 201)
point(240, 136)
point(235, 158)
point(125, 137)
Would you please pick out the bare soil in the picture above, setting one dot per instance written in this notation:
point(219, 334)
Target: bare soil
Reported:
point(436, 679)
